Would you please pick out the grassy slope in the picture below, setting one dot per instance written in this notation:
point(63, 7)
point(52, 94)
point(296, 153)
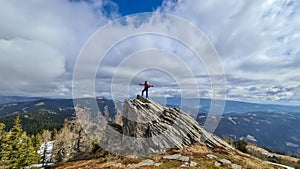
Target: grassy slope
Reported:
point(197, 152)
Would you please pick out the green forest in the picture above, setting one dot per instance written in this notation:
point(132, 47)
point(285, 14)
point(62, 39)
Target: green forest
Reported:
point(37, 121)
point(17, 149)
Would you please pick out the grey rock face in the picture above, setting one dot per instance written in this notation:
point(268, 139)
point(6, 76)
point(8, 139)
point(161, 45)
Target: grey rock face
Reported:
point(149, 127)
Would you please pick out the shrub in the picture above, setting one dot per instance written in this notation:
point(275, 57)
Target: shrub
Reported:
point(241, 145)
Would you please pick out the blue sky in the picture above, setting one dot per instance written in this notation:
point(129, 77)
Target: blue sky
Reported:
point(136, 6)
point(257, 42)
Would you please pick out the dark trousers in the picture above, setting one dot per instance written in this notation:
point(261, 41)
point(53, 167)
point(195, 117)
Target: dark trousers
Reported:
point(146, 89)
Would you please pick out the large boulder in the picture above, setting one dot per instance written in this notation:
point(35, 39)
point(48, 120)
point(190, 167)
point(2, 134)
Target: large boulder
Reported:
point(149, 127)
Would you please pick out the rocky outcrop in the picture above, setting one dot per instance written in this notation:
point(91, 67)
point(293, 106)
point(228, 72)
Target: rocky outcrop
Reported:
point(149, 127)
point(118, 118)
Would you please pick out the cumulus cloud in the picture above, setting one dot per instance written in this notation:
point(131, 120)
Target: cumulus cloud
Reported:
point(154, 47)
point(20, 64)
point(39, 43)
point(256, 41)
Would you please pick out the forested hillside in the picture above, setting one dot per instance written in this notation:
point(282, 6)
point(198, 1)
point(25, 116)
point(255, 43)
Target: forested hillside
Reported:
point(46, 114)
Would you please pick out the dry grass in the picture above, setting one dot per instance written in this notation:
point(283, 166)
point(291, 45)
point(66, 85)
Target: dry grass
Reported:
point(198, 153)
point(250, 162)
point(284, 157)
point(93, 164)
point(170, 164)
point(128, 160)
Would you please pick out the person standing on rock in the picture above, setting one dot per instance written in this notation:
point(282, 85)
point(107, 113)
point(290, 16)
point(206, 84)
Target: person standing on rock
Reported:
point(146, 87)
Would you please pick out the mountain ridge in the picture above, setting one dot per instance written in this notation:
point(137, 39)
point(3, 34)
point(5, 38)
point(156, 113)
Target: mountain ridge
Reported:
point(155, 136)
point(256, 125)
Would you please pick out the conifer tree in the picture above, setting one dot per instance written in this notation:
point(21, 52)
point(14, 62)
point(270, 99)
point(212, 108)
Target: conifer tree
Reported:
point(36, 141)
point(33, 156)
point(16, 131)
point(4, 148)
point(2, 131)
point(15, 137)
point(17, 150)
point(53, 134)
point(27, 152)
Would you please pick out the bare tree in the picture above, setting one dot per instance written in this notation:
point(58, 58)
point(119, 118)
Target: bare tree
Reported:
point(46, 137)
point(73, 139)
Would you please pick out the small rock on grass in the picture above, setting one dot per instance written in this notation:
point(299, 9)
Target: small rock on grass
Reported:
point(224, 161)
point(147, 162)
point(193, 164)
point(177, 157)
point(184, 158)
point(235, 166)
point(217, 164)
point(211, 156)
point(157, 164)
point(186, 164)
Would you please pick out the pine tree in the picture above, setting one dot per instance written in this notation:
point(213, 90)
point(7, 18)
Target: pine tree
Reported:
point(2, 131)
point(17, 150)
point(36, 141)
point(53, 134)
point(4, 148)
point(241, 145)
point(16, 131)
point(27, 152)
point(15, 136)
point(33, 155)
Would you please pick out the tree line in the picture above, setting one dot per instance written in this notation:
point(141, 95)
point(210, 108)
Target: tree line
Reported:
point(37, 121)
point(18, 149)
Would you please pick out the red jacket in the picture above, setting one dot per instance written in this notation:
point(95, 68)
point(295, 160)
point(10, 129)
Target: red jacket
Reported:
point(146, 85)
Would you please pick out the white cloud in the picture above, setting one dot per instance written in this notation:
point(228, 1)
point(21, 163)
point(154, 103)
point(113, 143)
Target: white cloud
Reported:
point(257, 43)
point(19, 61)
point(40, 40)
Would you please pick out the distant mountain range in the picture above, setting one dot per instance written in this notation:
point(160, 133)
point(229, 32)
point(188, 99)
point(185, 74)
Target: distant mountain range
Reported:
point(230, 106)
point(15, 105)
point(15, 99)
point(274, 127)
point(37, 114)
point(277, 131)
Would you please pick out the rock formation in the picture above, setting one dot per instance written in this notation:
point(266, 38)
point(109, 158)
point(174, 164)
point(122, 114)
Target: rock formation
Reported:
point(149, 127)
